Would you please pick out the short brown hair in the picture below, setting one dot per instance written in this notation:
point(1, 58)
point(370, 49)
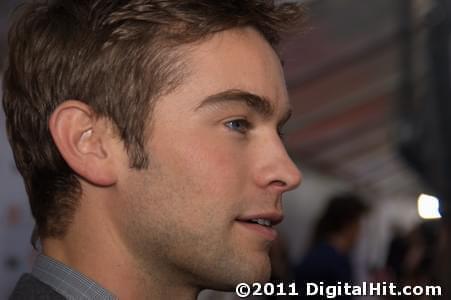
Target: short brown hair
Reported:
point(342, 210)
point(115, 55)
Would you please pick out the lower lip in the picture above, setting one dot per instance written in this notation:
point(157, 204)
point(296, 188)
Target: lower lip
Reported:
point(268, 233)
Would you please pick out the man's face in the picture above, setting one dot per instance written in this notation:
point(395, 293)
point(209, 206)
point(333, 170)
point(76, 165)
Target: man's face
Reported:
point(216, 163)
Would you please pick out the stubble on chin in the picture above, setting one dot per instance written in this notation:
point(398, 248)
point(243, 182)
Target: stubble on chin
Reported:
point(234, 267)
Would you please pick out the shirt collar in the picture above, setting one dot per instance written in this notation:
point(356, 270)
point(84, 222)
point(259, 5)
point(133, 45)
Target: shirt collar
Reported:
point(66, 281)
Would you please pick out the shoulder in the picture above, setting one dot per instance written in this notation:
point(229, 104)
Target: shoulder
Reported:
point(29, 287)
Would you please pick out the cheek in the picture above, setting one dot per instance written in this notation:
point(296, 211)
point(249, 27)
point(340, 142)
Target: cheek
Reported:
point(207, 178)
point(205, 159)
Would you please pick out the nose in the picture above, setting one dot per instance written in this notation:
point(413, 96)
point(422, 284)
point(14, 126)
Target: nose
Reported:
point(277, 170)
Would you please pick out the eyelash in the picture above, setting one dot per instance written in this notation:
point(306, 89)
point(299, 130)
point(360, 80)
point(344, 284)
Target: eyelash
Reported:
point(246, 125)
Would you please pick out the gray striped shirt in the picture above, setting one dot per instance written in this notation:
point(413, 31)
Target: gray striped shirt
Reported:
point(66, 281)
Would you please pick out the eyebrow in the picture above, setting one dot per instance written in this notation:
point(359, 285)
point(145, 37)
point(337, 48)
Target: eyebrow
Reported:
point(257, 103)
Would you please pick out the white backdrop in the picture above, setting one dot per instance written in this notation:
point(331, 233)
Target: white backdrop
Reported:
point(16, 253)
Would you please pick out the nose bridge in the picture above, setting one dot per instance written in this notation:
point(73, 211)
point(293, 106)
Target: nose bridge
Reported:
point(277, 168)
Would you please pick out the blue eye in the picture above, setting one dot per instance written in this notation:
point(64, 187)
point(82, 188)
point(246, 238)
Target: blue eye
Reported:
point(240, 125)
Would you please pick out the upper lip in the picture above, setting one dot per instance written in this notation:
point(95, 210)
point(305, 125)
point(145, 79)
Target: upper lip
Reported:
point(274, 217)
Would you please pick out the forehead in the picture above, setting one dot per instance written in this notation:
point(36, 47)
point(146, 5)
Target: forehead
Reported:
point(238, 59)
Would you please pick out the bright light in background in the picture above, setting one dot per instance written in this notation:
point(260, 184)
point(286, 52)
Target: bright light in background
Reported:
point(428, 207)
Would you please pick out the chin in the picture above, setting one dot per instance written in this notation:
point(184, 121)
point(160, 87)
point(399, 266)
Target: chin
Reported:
point(250, 272)
point(263, 275)
point(257, 270)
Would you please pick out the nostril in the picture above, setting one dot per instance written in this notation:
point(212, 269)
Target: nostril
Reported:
point(279, 183)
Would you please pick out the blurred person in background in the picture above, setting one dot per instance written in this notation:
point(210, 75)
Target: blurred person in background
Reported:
point(334, 237)
point(148, 134)
point(423, 249)
point(395, 255)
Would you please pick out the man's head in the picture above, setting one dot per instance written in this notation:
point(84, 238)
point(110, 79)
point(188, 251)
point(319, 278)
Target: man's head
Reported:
point(191, 97)
point(341, 218)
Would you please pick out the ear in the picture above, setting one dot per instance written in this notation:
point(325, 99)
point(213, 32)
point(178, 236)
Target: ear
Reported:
point(84, 141)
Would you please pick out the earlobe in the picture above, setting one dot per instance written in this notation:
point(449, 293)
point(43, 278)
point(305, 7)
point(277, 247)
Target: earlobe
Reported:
point(84, 141)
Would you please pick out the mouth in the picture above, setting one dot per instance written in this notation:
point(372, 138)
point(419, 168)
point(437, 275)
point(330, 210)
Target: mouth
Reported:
point(263, 222)
point(262, 225)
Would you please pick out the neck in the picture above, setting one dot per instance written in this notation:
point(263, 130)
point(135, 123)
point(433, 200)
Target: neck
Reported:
point(341, 243)
point(94, 248)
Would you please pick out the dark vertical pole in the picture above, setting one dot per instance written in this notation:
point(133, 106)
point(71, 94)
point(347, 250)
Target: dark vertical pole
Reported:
point(425, 122)
point(439, 55)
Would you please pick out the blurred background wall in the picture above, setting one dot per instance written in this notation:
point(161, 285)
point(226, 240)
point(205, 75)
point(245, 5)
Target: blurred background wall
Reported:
point(346, 75)
point(15, 219)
